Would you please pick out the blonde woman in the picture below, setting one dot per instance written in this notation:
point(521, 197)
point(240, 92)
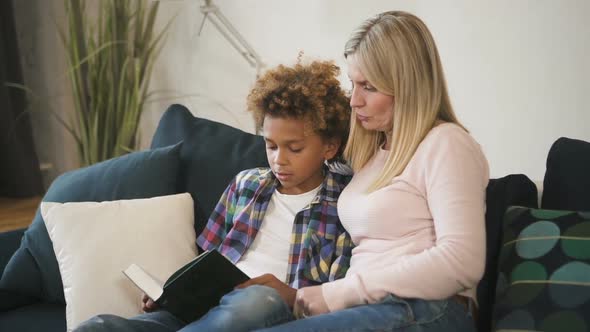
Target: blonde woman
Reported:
point(415, 206)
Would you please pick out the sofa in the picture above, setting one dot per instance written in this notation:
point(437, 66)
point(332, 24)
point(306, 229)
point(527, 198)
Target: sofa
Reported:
point(199, 156)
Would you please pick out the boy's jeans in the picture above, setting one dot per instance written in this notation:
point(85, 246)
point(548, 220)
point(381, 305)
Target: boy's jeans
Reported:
point(247, 309)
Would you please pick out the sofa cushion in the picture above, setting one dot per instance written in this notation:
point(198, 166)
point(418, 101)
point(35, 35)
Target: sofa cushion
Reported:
point(516, 189)
point(34, 318)
point(567, 179)
point(156, 233)
point(544, 271)
point(136, 175)
point(212, 154)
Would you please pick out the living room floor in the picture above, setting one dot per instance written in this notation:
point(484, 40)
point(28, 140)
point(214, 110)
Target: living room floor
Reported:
point(17, 213)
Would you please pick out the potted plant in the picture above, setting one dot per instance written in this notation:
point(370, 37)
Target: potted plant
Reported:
point(110, 64)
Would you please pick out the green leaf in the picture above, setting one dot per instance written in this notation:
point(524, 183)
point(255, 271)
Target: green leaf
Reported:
point(111, 57)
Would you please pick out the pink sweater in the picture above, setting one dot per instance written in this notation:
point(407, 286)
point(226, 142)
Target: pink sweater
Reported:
point(423, 236)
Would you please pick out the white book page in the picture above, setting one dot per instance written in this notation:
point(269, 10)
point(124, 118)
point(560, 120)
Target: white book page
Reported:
point(144, 281)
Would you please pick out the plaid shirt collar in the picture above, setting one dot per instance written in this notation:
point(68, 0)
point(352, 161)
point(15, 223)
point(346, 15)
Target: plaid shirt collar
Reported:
point(235, 223)
point(329, 192)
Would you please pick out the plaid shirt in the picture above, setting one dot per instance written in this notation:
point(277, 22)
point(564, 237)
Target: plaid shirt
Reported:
point(320, 248)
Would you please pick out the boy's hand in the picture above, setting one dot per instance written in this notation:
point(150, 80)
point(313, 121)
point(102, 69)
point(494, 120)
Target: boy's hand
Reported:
point(147, 304)
point(286, 292)
point(310, 301)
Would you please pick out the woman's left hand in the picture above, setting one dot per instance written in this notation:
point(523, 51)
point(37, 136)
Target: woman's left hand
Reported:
point(310, 301)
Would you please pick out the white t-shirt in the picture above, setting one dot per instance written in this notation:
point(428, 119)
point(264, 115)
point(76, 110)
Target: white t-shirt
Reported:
point(269, 253)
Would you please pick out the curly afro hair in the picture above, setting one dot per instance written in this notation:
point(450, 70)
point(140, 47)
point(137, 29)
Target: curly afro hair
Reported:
point(310, 92)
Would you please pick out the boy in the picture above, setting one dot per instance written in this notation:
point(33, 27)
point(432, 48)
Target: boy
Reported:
point(278, 224)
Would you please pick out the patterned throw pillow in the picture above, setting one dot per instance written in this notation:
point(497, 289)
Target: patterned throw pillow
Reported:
point(544, 271)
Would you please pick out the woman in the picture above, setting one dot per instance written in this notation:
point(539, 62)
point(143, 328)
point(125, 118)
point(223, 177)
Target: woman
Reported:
point(416, 204)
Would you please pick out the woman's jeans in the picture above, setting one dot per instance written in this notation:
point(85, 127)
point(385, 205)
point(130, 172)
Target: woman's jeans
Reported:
point(247, 309)
point(261, 308)
point(391, 314)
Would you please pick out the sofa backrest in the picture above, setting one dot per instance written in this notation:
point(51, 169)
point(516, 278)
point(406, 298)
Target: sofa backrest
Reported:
point(566, 185)
point(212, 154)
point(515, 189)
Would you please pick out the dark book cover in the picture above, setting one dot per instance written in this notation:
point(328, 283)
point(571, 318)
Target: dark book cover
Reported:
point(194, 288)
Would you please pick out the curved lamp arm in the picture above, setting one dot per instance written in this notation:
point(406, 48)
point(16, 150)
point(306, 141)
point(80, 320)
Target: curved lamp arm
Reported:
point(231, 34)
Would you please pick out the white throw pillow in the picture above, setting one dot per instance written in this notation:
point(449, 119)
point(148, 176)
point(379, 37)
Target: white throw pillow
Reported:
point(95, 241)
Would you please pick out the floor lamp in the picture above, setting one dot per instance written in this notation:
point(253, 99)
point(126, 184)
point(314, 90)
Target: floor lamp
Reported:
point(231, 34)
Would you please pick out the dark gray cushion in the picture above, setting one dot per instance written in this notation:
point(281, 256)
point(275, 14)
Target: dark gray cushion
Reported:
point(212, 154)
point(566, 185)
point(34, 318)
point(33, 269)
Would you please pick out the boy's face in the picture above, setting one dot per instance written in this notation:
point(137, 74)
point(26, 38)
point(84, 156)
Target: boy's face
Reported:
point(296, 159)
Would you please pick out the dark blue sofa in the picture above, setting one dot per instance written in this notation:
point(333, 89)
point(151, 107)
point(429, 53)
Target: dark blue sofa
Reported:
point(210, 155)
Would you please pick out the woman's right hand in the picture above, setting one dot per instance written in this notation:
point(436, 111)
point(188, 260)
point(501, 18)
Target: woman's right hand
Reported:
point(147, 304)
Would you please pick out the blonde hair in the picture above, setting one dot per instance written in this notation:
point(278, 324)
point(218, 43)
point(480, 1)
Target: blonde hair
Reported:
point(397, 55)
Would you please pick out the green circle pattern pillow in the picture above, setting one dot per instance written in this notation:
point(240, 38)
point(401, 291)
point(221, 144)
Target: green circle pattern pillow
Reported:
point(544, 271)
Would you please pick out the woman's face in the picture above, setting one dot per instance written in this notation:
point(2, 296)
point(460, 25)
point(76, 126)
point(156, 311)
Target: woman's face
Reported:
point(373, 109)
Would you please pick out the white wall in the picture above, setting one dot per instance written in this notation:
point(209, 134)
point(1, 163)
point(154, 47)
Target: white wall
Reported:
point(518, 71)
point(519, 75)
point(218, 78)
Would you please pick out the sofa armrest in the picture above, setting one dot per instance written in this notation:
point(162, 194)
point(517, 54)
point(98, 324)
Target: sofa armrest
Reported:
point(12, 300)
point(9, 242)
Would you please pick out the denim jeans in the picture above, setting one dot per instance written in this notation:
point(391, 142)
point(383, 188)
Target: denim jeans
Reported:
point(391, 314)
point(245, 309)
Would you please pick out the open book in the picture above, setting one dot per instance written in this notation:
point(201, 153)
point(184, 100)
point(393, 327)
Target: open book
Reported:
point(194, 289)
